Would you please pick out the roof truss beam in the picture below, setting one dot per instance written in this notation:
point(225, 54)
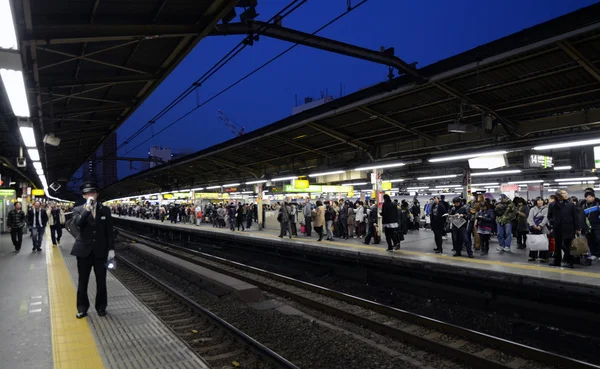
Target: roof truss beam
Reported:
point(98, 81)
point(395, 123)
point(341, 137)
point(570, 50)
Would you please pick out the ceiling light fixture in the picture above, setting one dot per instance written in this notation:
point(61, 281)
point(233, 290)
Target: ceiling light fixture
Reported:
point(448, 186)
point(380, 166)
point(480, 174)
point(34, 154)
point(565, 167)
point(438, 177)
point(532, 181)
point(212, 187)
point(15, 89)
point(327, 173)
point(37, 165)
point(256, 182)
point(568, 144)
point(485, 184)
point(198, 189)
point(231, 185)
point(576, 179)
point(466, 156)
point(8, 36)
point(281, 179)
point(355, 184)
point(28, 136)
point(395, 180)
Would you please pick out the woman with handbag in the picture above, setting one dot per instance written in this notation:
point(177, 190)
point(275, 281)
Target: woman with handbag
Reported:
point(538, 225)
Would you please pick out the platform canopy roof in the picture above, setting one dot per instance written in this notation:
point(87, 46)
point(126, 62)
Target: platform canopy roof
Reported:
point(86, 72)
point(542, 83)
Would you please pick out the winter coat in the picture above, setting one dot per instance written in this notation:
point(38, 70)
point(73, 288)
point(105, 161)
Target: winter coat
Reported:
point(307, 211)
point(343, 213)
point(372, 218)
point(461, 210)
point(505, 212)
point(284, 214)
point(592, 213)
point(564, 219)
point(360, 214)
point(403, 219)
point(351, 218)
point(329, 213)
point(16, 219)
point(58, 213)
point(438, 221)
point(319, 216)
point(485, 221)
point(541, 213)
point(389, 213)
point(44, 217)
point(522, 220)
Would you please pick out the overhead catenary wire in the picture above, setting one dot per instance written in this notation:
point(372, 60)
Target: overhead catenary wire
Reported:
point(287, 10)
point(246, 76)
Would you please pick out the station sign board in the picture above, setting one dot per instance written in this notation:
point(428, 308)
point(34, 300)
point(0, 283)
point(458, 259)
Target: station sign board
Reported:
point(540, 161)
point(7, 192)
point(38, 192)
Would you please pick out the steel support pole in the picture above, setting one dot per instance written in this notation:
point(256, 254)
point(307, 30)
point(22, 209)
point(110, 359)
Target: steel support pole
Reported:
point(379, 199)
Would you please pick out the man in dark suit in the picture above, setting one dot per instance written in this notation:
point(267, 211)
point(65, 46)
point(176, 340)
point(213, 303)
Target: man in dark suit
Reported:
point(37, 218)
point(93, 247)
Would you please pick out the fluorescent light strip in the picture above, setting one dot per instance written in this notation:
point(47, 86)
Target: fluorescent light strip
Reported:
point(281, 179)
point(34, 154)
point(479, 174)
point(231, 185)
point(37, 165)
point(417, 188)
point(394, 180)
point(198, 189)
point(533, 181)
point(39, 171)
point(8, 36)
point(257, 182)
point(576, 179)
point(448, 186)
point(212, 187)
point(574, 183)
point(28, 136)
point(438, 177)
point(467, 156)
point(15, 89)
point(380, 166)
point(485, 184)
point(566, 167)
point(568, 144)
point(355, 184)
point(327, 173)
point(247, 192)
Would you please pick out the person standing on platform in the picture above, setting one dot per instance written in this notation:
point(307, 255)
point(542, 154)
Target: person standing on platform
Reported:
point(505, 213)
point(249, 215)
point(308, 218)
point(538, 224)
point(564, 218)
point(293, 219)
point(37, 219)
point(372, 225)
point(343, 220)
point(318, 217)
point(389, 218)
point(93, 247)
point(284, 220)
point(485, 222)
point(592, 214)
point(16, 222)
point(437, 210)
point(239, 217)
point(522, 227)
point(351, 222)
point(56, 221)
point(329, 220)
point(360, 219)
point(173, 214)
point(459, 219)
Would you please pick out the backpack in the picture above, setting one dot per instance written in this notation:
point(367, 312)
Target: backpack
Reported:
point(72, 228)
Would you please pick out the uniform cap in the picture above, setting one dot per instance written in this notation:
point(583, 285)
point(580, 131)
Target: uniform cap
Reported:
point(89, 186)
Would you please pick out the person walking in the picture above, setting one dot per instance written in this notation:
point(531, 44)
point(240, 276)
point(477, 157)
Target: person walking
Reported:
point(318, 215)
point(94, 246)
point(56, 220)
point(564, 218)
point(37, 219)
point(16, 222)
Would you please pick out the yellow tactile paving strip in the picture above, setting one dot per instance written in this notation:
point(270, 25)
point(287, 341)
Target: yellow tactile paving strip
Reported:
point(73, 345)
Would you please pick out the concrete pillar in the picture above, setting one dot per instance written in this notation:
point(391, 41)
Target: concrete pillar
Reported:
point(379, 199)
point(259, 193)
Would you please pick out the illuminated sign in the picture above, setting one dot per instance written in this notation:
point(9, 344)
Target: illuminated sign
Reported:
point(210, 195)
point(37, 192)
point(302, 183)
point(540, 161)
point(386, 186)
point(7, 192)
point(318, 188)
point(168, 196)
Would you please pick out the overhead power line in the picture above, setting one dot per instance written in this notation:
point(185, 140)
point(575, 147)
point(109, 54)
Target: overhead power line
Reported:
point(248, 40)
point(198, 106)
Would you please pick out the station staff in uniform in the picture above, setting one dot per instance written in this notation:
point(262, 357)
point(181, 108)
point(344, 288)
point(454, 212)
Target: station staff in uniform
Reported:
point(93, 247)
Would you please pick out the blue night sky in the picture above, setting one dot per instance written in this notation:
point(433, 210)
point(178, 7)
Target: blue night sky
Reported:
point(421, 31)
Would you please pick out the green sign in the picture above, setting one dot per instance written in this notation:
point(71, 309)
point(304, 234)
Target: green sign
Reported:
point(7, 192)
point(311, 188)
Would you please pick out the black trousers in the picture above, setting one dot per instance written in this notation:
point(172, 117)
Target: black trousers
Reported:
point(16, 235)
point(391, 237)
point(308, 226)
point(563, 244)
point(294, 229)
point(485, 242)
point(84, 268)
point(521, 238)
point(56, 232)
point(437, 235)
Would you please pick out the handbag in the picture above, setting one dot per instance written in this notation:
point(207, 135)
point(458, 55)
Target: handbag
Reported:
point(579, 246)
point(538, 242)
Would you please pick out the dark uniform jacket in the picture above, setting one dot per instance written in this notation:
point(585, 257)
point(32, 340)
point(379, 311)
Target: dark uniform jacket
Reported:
point(564, 218)
point(44, 217)
point(16, 219)
point(94, 233)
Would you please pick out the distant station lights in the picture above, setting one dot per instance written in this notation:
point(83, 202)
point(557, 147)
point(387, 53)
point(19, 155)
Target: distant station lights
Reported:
point(380, 166)
point(327, 173)
point(494, 173)
point(568, 144)
point(466, 156)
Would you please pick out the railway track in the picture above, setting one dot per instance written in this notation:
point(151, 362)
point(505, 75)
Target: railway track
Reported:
point(217, 342)
point(463, 345)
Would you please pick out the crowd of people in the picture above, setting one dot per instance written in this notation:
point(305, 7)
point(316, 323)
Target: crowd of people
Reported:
point(34, 220)
point(471, 224)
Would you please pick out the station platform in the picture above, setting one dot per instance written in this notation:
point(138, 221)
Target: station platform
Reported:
point(417, 248)
point(39, 330)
